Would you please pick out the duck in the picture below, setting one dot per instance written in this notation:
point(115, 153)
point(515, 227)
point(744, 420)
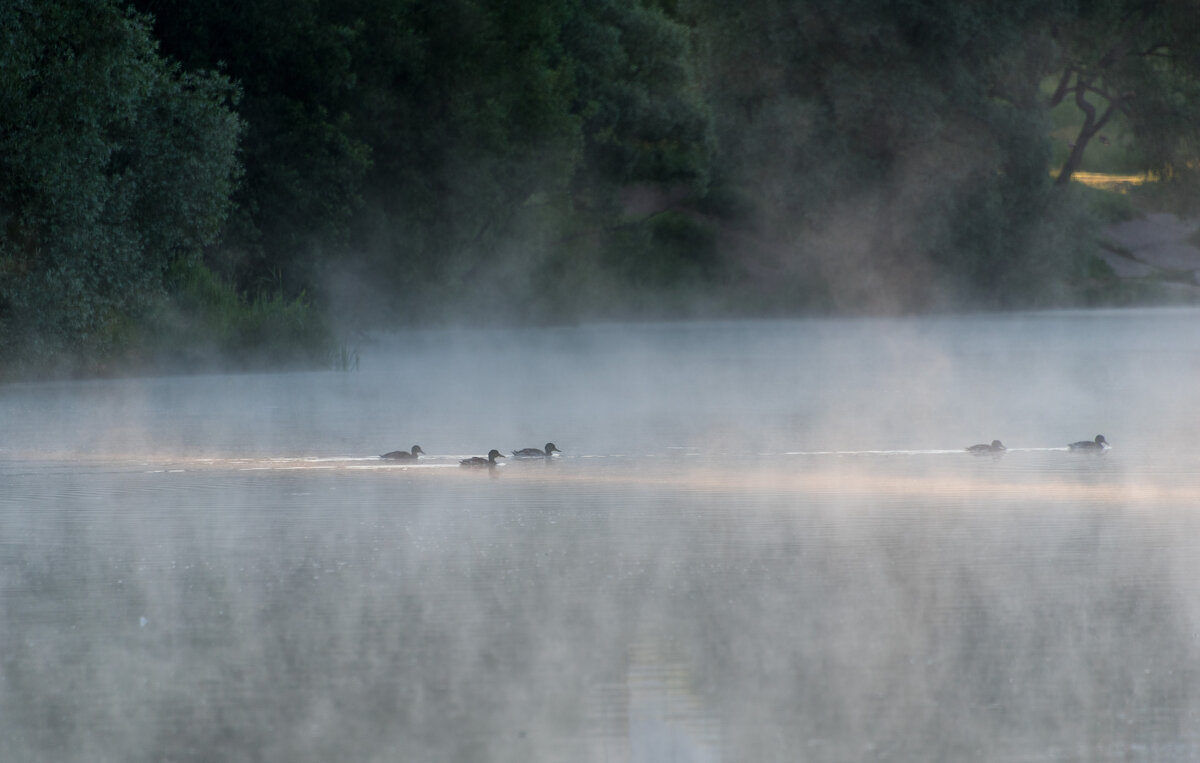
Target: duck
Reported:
point(403, 455)
point(551, 449)
point(1098, 444)
point(492, 455)
point(995, 447)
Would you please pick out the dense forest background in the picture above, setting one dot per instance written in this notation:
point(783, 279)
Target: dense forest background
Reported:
point(193, 182)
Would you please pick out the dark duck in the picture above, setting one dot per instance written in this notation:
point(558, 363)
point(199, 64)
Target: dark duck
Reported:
point(403, 455)
point(492, 455)
point(551, 449)
point(995, 447)
point(1096, 445)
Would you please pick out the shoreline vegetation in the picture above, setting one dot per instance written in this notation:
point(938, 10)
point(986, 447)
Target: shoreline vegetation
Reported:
point(204, 187)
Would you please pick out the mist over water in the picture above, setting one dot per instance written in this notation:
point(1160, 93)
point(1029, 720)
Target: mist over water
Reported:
point(763, 541)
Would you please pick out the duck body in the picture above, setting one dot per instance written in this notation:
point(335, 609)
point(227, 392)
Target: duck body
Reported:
point(550, 450)
point(492, 455)
point(1096, 445)
point(402, 455)
point(995, 447)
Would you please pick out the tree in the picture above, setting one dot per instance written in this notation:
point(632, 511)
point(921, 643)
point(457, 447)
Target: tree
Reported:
point(636, 92)
point(887, 156)
point(114, 164)
point(1138, 58)
point(304, 165)
point(437, 152)
point(502, 136)
point(465, 107)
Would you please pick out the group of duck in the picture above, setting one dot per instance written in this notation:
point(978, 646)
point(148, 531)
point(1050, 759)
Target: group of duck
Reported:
point(1099, 444)
point(477, 461)
point(1093, 446)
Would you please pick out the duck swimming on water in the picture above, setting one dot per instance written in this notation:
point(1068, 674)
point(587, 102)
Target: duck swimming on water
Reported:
point(402, 455)
point(1094, 445)
point(995, 447)
point(551, 449)
point(492, 455)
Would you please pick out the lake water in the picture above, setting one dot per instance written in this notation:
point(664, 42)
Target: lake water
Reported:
point(763, 541)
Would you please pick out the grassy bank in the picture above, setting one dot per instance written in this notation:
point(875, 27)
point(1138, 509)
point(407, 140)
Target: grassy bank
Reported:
point(204, 323)
point(198, 323)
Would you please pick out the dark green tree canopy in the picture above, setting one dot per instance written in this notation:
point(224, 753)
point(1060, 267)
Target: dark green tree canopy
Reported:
point(555, 159)
point(114, 164)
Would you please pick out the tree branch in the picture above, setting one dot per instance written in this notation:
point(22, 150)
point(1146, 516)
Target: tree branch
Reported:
point(1084, 105)
point(1064, 83)
point(1112, 107)
point(1103, 93)
point(1121, 47)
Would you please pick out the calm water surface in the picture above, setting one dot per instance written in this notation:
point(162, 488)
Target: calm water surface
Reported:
point(763, 542)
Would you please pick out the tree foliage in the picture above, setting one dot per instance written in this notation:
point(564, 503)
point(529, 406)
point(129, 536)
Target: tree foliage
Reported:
point(1137, 58)
point(465, 107)
point(114, 164)
point(304, 164)
point(546, 159)
point(895, 154)
point(407, 145)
